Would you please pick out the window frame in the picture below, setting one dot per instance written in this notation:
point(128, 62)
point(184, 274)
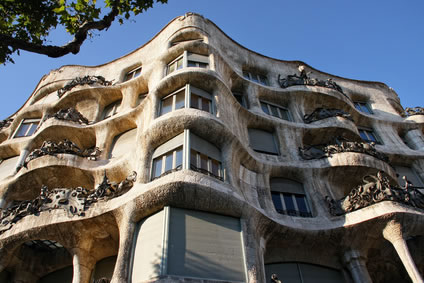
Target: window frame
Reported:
point(360, 106)
point(369, 132)
point(114, 107)
point(188, 91)
point(280, 110)
point(185, 59)
point(32, 122)
point(187, 141)
point(256, 77)
point(132, 74)
point(280, 192)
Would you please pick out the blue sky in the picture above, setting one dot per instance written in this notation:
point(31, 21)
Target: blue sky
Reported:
point(365, 40)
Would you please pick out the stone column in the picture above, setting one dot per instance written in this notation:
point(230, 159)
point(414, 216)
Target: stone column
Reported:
point(357, 267)
point(83, 264)
point(414, 138)
point(393, 233)
point(126, 235)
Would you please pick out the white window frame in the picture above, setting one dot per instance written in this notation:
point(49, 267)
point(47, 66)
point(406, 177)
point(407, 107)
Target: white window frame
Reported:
point(188, 91)
point(185, 141)
point(256, 77)
point(185, 57)
point(134, 73)
point(114, 107)
point(363, 107)
point(280, 110)
point(34, 121)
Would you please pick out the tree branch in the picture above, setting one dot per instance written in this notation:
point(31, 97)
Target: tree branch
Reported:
point(72, 46)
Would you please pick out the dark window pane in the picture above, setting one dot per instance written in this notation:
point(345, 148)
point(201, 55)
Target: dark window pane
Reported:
point(179, 63)
point(206, 104)
point(363, 135)
point(274, 111)
point(194, 101)
point(254, 78)
point(215, 168)
point(192, 64)
point(22, 130)
point(288, 200)
point(193, 159)
point(246, 75)
point(179, 101)
point(265, 108)
point(239, 98)
point(202, 65)
point(301, 204)
point(179, 158)
point(157, 167)
point(166, 105)
point(277, 202)
point(284, 114)
point(168, 161)
point(204, 162)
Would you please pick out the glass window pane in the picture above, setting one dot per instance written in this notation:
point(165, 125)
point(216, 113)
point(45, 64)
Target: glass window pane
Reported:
point(277, 202)
point(157, 167)
point(33, 127)
point(179, 100)
point(137, 72)
point(179, 63)
point(246, 75)
point(284, 114)
point(195, 101)
point(179, 158)
point(204, 162)
point(288, 200)
point(239, 98)
point(171, 67)
point(274, 111)
point(193, 159)
point(206, 104)
point(265, 108)
point(263, 79)
point(168, 161)
point(22, 130)
point(363, 135)
point(301, 205)
point(216, 168)
point(192, 64)
point(166, 105)
point(371, 136)
point(254, 78)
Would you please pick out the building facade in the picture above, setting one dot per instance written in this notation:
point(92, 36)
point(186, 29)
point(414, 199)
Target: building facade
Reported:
point(195, 159)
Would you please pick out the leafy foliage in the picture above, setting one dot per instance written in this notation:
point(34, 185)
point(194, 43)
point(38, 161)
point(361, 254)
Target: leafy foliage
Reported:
point(26, 24)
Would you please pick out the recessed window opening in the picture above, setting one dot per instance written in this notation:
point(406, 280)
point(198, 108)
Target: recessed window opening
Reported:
point(369, 136)
point(289, 198)
point(275, 111)
point(47, 245)
point(188, 95)
point(256, 77)
point(363, 107)
point(132, 74)
point(27, 128)
point(188, 59)
point(112, 109)
point(263, 141)
point(241, 99)
point(187, 151)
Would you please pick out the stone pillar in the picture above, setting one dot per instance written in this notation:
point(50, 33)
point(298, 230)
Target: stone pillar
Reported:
point(253, 254)
point(357, 267)
point(122, 267)
point(414, 139)
point(83, 264)
point(393, 233)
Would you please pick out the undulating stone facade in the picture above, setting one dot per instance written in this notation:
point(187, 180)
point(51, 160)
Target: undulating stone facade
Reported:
point(194, 159)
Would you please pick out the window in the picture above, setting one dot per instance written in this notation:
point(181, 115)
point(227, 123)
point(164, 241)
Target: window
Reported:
point(111, 109)
point(255, 77)
point(202, 156)
point(198, 245)
point(363, 107)
point(241, 99)
point(141, 97)
point(188, 59)
point(369, 136)
point(275, 111)
point(188, 95)
point(132, 74)
point(27, 128)
point(263, 141)
point(289, 198)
